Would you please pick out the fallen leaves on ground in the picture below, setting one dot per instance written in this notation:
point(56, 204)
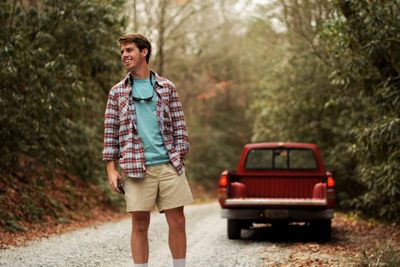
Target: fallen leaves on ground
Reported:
point(9, 239)
point(353, 240)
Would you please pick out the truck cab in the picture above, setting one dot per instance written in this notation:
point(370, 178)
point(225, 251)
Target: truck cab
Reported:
point(278, 183)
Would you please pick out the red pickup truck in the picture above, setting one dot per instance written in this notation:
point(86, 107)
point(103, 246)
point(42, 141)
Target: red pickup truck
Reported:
point(278, 183)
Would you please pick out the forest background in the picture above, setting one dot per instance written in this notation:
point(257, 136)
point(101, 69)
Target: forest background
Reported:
point(325, 72)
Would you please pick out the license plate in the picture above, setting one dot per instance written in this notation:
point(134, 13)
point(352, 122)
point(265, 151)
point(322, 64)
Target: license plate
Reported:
point(276, 214)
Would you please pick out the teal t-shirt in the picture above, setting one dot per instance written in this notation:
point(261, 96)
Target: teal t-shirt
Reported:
point(147, 123)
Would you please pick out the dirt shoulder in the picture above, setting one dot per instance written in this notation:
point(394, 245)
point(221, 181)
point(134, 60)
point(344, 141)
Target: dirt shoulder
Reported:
point(355, 242)
point(98, 216)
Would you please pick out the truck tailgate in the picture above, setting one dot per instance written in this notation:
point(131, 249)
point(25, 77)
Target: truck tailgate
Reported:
point(239, 202)
point(284, 187)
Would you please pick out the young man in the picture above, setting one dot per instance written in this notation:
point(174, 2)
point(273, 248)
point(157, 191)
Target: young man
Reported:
point(146, 132)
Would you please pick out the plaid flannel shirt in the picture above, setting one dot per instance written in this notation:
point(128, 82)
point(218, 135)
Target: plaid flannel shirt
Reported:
point(121, 139)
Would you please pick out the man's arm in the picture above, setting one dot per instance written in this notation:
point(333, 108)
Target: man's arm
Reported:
point(180, 135)
point(111, 140)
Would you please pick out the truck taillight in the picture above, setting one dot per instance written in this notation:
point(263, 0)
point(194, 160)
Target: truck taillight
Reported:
point(330, 181)
point(223, 179)
point(330, 192)
point(222, 190)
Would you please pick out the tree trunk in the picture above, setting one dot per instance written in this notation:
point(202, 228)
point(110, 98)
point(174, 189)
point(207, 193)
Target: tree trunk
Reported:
point(161, 37)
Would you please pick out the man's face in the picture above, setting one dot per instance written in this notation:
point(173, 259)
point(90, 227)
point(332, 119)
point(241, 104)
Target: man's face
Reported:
point(132, 57)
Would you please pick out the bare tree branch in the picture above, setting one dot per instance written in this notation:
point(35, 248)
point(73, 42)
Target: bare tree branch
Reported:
point(186, 17)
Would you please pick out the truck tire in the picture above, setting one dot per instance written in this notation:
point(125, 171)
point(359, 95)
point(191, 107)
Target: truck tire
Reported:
point(234, 229)
point(323, 230)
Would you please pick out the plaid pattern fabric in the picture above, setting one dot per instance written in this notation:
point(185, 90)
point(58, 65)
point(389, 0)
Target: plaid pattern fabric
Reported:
point(121, 139)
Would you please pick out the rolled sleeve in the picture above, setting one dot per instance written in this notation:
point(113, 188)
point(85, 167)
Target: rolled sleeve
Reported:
point(111, 129)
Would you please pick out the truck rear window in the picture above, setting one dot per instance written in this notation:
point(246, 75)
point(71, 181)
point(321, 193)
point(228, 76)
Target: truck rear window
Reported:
point(280, 158)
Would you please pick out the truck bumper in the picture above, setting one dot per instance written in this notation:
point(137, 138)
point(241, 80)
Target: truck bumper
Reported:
point(277, 214)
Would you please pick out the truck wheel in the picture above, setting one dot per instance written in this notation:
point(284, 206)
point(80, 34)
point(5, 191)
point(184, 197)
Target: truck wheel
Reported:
point(234, 229)
point(323, 229)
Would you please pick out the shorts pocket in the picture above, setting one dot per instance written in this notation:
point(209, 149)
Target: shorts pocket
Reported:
point(171, 169)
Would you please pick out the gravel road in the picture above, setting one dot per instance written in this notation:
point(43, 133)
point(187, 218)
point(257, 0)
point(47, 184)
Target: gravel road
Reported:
point(108, 245)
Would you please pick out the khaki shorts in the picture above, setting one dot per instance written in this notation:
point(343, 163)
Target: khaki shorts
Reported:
point(161, 186)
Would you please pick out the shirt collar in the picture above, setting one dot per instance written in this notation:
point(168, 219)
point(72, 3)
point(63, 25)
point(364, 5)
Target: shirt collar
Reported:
point(128, 79)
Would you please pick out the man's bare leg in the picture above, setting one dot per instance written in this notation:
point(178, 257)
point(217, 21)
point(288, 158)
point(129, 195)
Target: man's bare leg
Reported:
point(139, 238)
point(177, 233)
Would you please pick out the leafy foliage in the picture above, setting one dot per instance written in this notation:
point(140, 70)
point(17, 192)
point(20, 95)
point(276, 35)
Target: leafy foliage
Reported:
point(338, 86)
point(372, 29)
point(56, 59)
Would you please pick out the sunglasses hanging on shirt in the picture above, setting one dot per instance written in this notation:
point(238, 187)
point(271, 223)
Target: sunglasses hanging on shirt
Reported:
point(146, 99)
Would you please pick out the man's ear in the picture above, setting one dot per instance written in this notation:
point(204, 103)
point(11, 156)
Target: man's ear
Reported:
point(144, 52)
